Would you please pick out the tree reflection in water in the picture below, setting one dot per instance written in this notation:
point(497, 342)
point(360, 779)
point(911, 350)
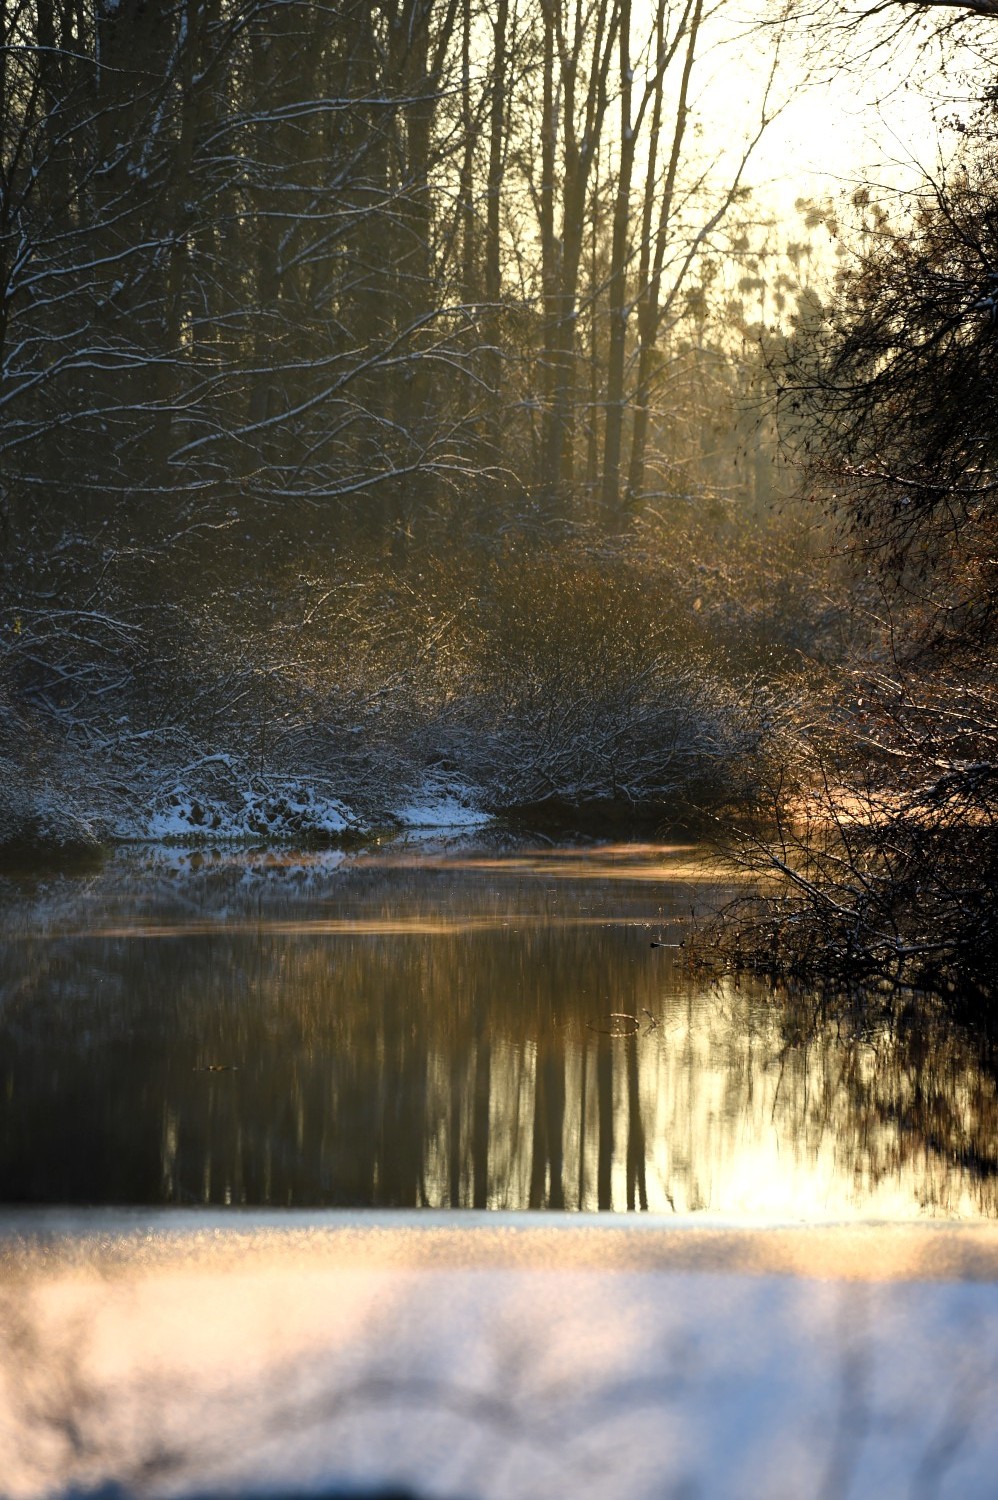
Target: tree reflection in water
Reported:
point(400, 1031)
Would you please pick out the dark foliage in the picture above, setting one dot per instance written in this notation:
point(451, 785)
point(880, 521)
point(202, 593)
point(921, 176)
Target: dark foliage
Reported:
point(888, 850)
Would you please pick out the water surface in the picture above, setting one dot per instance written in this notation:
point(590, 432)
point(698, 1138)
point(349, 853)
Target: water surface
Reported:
point(465, 1028)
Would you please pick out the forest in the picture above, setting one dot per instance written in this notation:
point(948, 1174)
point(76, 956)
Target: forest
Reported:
point(421, 400)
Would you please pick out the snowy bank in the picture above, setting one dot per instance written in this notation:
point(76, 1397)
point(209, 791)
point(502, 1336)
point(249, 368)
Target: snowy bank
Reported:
point(496, 1357)
point(209, 799)
point(287, 810)
point(443, 807)
point(279, 809)
point(37, 826)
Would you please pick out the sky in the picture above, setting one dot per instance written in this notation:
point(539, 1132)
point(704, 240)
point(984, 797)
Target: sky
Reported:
point(879, 125)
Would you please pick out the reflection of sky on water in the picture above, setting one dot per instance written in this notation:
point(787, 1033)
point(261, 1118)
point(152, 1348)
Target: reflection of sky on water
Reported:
point(407, 1028)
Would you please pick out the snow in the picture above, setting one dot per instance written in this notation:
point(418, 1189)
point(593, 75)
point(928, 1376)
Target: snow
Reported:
point(435, 807)
point(497, 1357)
point(282, 810)
point(140, 795)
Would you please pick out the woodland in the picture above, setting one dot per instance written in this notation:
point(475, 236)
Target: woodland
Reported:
point(417, 399)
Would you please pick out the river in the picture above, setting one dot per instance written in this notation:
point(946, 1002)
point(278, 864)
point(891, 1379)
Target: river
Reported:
point(457, 1026)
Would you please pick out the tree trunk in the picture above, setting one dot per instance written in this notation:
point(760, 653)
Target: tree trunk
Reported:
point(493, 364)
point(618, 280)
point(563, 257)
point(649, 297)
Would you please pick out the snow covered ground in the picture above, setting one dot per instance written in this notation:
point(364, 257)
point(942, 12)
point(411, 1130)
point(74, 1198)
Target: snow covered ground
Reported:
point(283, 809)
point(497, 1357)
point(442, 807)
point(286, 810)
point(213, 800)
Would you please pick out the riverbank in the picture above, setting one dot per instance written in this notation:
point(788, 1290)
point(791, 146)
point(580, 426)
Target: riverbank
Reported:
point(72, 808)
point(69, 809)
point(572, 685)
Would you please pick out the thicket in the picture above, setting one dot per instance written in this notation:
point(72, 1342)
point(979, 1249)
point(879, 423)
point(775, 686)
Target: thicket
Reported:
point(622, 680)
point(886, 860)
point(378, 388)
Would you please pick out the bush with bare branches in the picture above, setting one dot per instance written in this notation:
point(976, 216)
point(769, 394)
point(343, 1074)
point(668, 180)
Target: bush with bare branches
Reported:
point(886, 854)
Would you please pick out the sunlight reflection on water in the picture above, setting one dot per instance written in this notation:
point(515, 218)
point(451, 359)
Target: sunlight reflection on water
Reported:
point(455, 1028)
